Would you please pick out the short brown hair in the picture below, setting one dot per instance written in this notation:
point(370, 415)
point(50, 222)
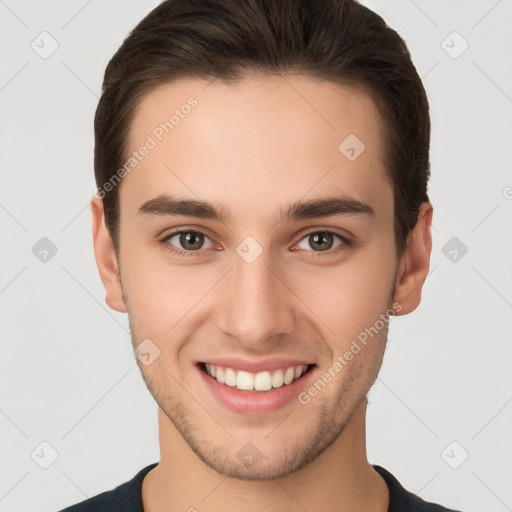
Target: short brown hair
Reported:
point(335, 40)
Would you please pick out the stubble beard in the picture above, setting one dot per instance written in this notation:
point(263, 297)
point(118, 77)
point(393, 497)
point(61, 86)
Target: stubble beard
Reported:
point(332, 414)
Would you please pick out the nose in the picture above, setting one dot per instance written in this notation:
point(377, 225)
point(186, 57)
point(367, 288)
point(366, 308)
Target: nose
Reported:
point(257, 308)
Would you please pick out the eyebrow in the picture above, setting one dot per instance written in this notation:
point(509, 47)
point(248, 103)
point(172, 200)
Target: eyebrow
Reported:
point(164, 205)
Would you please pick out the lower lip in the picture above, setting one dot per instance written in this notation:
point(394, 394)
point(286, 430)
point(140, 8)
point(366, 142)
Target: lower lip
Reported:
point(252, 402)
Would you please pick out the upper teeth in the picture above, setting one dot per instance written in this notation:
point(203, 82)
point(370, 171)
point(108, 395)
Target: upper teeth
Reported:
point(262, 381)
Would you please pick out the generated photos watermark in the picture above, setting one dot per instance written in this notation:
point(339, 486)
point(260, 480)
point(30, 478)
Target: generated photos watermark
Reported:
point(343, 359)
point(152, 140)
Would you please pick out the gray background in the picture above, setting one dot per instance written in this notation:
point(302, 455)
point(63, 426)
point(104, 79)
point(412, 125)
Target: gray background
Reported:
point(68, 375)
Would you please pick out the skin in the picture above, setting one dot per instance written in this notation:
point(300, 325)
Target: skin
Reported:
point(256, 146)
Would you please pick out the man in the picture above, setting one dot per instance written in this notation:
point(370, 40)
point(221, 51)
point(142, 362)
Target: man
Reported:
point(261, 214)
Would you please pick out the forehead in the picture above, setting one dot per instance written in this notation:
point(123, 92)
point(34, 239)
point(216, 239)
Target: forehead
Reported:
point(255, 143)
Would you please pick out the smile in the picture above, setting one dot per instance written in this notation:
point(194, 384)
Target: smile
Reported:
point(261, 381)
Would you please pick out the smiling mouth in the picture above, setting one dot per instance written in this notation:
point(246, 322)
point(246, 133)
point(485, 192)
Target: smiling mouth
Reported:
point(258, 382)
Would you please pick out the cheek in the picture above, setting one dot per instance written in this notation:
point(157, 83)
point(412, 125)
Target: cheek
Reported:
point(158, 295)
point(159, 300)
point(351, 297)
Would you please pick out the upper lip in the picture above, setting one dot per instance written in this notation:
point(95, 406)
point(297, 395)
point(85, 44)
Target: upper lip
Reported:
point(260, 365)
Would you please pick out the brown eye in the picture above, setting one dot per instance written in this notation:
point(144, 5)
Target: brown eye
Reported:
point(188, 241)
point(323, 241)
point(191, 240)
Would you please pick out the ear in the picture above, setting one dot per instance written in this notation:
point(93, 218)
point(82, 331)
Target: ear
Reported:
point(414, 263)
point(106, 259)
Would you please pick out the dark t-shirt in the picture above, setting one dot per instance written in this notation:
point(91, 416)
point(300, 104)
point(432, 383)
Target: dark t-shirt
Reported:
point(127, 497)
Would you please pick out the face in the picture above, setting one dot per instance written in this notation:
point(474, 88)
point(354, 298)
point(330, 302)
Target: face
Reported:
point(283, 264)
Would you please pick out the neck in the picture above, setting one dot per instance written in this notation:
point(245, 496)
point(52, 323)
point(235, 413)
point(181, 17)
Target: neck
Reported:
point(340, 479)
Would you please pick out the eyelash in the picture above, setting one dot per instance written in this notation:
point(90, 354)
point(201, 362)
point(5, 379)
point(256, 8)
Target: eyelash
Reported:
point(346, 243)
